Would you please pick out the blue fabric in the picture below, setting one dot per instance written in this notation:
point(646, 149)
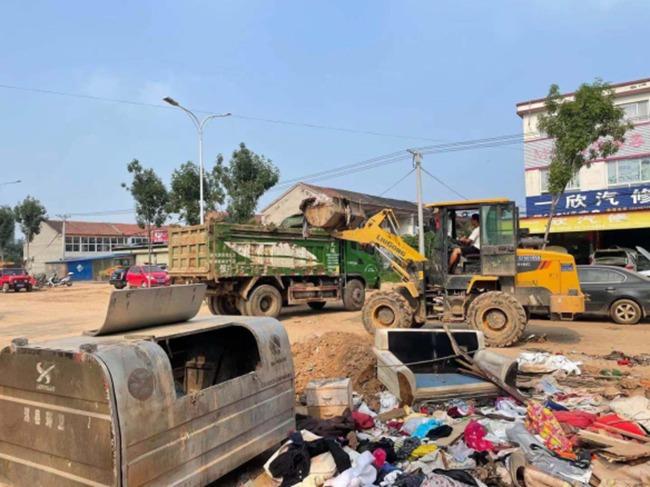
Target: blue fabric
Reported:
point(422, 430)
point(441, 380)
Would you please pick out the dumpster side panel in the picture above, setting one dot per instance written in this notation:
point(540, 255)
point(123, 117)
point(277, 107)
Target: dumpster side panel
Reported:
point(53, 406)
point(171, 438)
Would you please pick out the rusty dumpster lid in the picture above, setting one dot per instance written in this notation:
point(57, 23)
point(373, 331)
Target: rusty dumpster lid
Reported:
point(132, 309)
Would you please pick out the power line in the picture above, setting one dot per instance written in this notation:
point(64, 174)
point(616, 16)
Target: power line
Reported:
point(441, 182)
point(393, 157)
point(234, 115)
point(397, 182)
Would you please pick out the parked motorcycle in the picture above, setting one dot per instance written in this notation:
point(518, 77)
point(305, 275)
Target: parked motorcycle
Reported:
point(54, 280)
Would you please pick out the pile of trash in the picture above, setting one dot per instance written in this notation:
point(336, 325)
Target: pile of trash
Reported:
point(563, 434)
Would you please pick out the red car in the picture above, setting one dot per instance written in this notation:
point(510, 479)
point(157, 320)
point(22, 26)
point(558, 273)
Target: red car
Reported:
point(147, 276)
point(15, 279)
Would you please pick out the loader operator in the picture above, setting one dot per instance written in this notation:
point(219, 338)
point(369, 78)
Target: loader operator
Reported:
point(470, 245)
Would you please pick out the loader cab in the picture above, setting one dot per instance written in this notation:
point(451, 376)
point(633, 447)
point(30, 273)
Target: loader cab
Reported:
point(495, 258)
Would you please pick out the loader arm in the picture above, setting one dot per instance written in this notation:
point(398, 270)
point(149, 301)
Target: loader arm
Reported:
point(404, 259)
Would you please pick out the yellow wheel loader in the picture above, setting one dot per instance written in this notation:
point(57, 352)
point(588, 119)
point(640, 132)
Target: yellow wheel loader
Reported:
point(494, 289)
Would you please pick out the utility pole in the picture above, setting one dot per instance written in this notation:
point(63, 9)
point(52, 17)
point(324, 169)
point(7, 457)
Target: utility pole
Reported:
point(199, 124)
point(417, 163)
point(64, 218)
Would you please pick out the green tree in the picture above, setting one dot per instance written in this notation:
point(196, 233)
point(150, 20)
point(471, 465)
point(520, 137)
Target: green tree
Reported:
point(584, 128)
point(151, 198)
point(7, 229)
point(246, 177)
point(30, 213)
point(184, 193)
point(14, 251)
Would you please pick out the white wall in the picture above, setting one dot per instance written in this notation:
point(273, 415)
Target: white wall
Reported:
point(46, 246)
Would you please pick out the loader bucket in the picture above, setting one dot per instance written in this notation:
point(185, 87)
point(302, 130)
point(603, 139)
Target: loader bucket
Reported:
point(131, 309)
point(331, 213)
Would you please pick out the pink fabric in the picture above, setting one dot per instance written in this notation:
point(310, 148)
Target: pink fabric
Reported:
point(362, 421)
point(475, 437)
point(380, 457)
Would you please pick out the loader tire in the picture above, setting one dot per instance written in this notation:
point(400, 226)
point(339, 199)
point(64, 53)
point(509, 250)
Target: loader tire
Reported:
point(499, 316)
point(387, 309)
point(354, 295)
point(265, 300)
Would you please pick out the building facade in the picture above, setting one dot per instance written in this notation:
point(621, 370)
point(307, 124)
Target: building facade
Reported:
point(288, 205)
point(60, 241)
point(607, 203)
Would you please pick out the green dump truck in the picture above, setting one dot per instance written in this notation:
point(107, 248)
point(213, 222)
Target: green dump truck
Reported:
point(255, 270)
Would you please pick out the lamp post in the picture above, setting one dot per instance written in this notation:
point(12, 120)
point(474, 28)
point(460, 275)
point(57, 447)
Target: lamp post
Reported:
point(199, 124)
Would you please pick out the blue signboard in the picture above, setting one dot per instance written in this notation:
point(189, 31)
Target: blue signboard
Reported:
point(600, 201)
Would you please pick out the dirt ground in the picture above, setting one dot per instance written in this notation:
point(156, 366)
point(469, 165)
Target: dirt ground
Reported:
point(61, 312)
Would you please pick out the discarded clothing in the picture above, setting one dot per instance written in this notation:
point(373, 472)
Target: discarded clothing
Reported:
point(362, 421)
point(579, 419)
point(458, 475)
point(407, 448)
point(412, 423)
point(385, 444)
point(414, 479)
point(539, 456)
point(442, 431)
point(380, 458)
point(424, 428)
point(423, 450)
point(540, 420)
point(636, 408)
point(474, 437)
point(387, 402)
point(336, 427)
point(294, 464)
point(363, 473)
point(437, 480)
point(615, 421)
point(544, 363)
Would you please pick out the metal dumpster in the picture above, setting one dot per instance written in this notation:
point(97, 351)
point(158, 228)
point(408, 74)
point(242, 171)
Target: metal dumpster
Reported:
point(180, 404)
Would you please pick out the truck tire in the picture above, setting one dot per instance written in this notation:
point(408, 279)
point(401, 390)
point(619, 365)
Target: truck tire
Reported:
point(5, 287)
point(625, 312)
point(354, 295)
point(499, 316)
point(265, 300)
point(386, 309)
point(223, 305)
point(316, 305)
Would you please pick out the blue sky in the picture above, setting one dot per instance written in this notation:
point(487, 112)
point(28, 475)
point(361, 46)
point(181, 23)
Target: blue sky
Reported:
point(439, 70)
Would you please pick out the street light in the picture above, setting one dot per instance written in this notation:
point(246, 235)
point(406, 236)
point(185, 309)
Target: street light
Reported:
point(199, 124)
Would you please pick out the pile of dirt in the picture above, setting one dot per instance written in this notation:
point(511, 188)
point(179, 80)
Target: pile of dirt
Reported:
point(337, 354)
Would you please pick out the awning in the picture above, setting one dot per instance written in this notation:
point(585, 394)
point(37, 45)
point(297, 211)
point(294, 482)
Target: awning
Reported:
point(589, 222)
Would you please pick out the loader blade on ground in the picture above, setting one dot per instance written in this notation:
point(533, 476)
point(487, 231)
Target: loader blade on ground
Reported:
point(131, 309)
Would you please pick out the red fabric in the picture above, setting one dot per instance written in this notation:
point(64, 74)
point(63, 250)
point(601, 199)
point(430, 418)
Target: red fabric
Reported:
point(380, 457)
point(474, 436)
point(579, 419)
point(617, 422)
point(362, 421)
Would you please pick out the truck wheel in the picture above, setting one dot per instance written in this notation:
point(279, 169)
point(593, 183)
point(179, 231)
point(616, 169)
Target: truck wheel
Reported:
point(265, 300)
point(223, 304)
point(625, 312)
point(386, 309)
point(5, 287)
point(354, 295)
point(316, 305)
point(499, 316)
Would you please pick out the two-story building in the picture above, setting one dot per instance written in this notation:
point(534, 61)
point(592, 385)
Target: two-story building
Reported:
point(84, 248)
point(607, 203)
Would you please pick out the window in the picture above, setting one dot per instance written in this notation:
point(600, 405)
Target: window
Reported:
point(600, 276)
point(628, 171)
point(72, 244)
point(497, 225)
point(637, 110)
point(574, 184)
